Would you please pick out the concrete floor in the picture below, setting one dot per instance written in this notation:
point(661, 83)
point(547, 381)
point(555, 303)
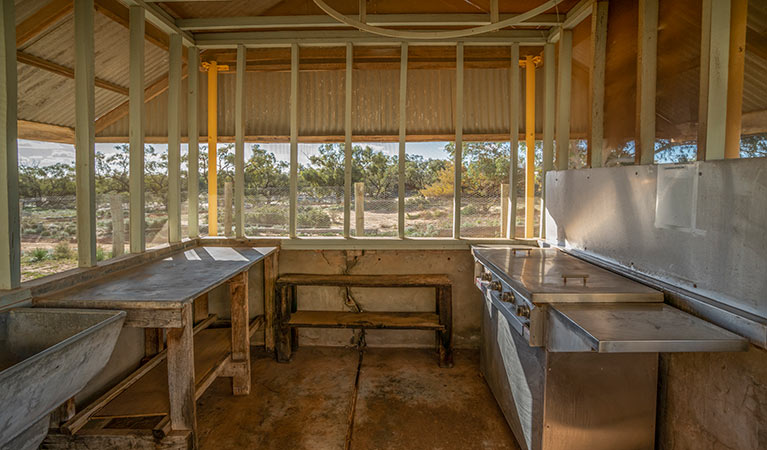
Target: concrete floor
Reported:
point(403, 400)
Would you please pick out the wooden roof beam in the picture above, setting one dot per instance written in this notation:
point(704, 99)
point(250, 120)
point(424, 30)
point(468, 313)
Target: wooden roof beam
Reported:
point(36, 131)
point(43, 19)
point(323, 21)
point(576, 15)
point(50, 66)
point(162, 20)
point(341, 37)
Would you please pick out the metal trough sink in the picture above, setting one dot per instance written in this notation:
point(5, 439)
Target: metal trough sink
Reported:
point(46, 357)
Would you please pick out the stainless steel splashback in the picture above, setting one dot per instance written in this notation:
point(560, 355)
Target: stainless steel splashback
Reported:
point(719, 251)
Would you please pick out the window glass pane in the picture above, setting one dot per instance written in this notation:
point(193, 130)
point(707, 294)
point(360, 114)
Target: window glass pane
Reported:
point(375, 172)
point(47, 208)
point(429, 189)
point(320, 190)
point(267, 189)
point(485, 177)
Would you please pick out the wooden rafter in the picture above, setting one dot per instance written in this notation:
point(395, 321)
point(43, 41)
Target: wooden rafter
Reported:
point(36, 131)
point(50, 66)
point(42, 20)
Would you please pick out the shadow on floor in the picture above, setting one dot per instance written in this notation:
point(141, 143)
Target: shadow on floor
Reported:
point(402, 400)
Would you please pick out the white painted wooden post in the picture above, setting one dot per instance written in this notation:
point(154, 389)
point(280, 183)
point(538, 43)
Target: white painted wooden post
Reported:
point(10, 228)
point(597, 82)
point(714, 55)
point(239, 146)
point(136, 138)
point(515, 103)
point(549, 104)
point(193, 190)
point(647, 50)
point(564, 89)
point(293, 139)
point(85, 115)
point(458, 160)
point(402, 140)
point(348, 140)
point(174, 139)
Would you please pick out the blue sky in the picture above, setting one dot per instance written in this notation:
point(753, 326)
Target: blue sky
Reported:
point(48, 153)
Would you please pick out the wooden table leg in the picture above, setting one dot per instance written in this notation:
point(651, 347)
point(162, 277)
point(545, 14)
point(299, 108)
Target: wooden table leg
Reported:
point(181, 384)
point(238, 294)
point(201, 310)
point(293, 308)
point(270, 275)
point(445, 310)
point(154, 342)
point(284, 349)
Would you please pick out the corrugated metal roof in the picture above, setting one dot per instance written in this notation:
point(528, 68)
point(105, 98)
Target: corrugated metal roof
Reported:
point(25, 8)
point(49, 98)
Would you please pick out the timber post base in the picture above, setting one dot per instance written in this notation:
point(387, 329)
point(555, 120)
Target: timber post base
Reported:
point(289, 319)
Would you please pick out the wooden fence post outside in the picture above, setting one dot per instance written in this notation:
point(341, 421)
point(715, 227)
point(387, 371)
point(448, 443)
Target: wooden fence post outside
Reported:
point(504, 208)
point(228, 208)
point(359, 208)
point(118, 226)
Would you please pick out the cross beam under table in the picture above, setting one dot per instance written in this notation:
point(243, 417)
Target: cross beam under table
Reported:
point(171, 295)
point(289, 319)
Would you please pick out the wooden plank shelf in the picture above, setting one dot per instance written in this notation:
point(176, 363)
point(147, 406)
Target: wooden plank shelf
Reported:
point(345, 280)
point(149, 395)
point(382, 320)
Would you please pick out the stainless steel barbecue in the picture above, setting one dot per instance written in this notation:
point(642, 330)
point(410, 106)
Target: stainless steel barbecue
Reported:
point(570, 350)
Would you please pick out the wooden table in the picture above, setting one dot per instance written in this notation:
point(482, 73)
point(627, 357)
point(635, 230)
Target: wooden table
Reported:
point(161, 294)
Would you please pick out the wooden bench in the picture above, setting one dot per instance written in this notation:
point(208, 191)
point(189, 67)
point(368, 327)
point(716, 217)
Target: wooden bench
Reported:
point(289, 318)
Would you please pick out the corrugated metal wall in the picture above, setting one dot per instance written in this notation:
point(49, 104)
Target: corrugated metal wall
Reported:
point(375, 104)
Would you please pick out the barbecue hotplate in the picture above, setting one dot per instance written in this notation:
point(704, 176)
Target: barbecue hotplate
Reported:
point(551, 276)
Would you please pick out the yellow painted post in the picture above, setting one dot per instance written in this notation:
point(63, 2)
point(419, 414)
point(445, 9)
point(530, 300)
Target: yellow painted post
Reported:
point(530, 143)
point(212, 144)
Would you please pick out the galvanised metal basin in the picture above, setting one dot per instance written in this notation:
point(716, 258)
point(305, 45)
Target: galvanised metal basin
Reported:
point(46, 357)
